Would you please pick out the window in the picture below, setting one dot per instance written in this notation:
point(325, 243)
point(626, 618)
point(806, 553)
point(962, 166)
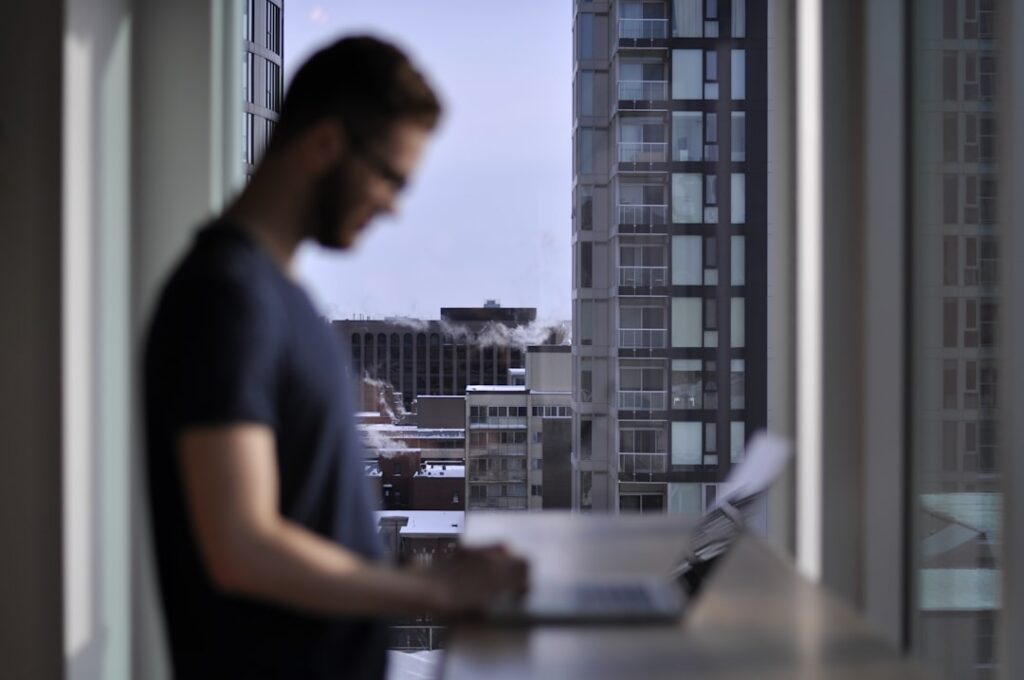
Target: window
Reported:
point(273, 76)
point(586, 208)
point(585, 322)
point(738, 263)
point(688, 18)
point(248, 16)
point(642, 503)
point(586, 385)
point(687, 196)
point(737, 330)
point(737, 440)
point(739, 74)
point(273, 28)
point(737, 384)
point(687, 384)
point(587, 93)
point(950, 200)
point(687, 82)
point(949, 76)
point(949, 446)
point(687, 267)
point(248, 92)
point(535, 490)
point(738, 149)
point(687, 443)
point(247, 141)
point(949, 323)
point(586, 36)
point(949, 384)
point(586, 437)
point(711, 74)
point(687, 135)
point(739, 198)
point(950, 263)
point(687, 325)
point(710, 261)
point(586, 264)
point(739, 18)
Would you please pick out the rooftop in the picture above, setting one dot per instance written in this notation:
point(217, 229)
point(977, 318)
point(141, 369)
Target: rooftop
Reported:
point(476, 389)
point(427, 523)
point(441, 470)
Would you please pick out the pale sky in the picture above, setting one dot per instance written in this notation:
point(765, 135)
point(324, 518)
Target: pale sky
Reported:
point(488, 214)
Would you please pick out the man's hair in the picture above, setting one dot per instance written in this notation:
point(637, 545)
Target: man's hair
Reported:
point(365, 83)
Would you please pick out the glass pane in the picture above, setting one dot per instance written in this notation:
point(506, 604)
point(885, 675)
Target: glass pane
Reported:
point(687, 329)
point(739, 198)
point(738, 265)
point(687, 135)
point(686, 443)
point(739, 74)
point(686, 198)
point(955, 467)
point(686, 260)
point(687, 18)
point(687, 82)
point(737, 331)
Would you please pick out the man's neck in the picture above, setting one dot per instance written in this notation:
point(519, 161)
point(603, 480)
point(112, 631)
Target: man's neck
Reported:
point(271, 209)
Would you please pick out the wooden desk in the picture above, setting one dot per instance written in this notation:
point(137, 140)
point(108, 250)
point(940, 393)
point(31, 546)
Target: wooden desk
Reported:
point(757, 618)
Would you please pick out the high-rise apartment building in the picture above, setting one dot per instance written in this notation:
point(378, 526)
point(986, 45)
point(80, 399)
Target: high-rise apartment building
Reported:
point(670, 248)
point(262, 75)
point(956, 404)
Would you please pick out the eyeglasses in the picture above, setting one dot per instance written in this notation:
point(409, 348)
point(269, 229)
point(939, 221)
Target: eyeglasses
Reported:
point(380, 166)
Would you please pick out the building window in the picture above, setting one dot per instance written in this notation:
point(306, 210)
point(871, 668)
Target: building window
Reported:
point(642, 503)
point(687, 443)
point(688, 19)
point(737, 440)
point(949, 323)
point(950, 260)
point(586, 385)
point(585, 150)
point(247, 145)
point(587, 93)
point(641, 326)
point(687, 384)
point(687, 136)
point(586, 487)
point(248, 91)
point(687, 198)
point(710, 74)
point(585, 323)
point(586, 264)
point(537, 464)
point(737, 384)
point(949, 384)
point(273, 17)
point(273, 75)
point(687, 79)
point(738, 205)
point(248, 17)
point(710, 199)
point(535, 490)
point(737, 330)
point(586, 437)
point(739, 18)
point(586, 208)
point(950, 200)
point(738, 145)
point(586, 36)
point(739, 75)
point(949, 76)
point(738, 264)
point(687, 260)
point(687, 324)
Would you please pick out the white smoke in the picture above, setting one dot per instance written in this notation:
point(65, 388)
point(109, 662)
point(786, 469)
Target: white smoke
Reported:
point(378, 441)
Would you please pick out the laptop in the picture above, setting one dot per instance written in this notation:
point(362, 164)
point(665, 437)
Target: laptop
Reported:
point(659, 600)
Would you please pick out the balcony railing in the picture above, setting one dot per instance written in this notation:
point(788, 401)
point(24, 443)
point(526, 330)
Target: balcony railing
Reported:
point(643, 338)
point(505, 450)
point(498, 476)
point(642, 463)
point(642, 152)
point(642, 401)
point(643, 29)
point(652, 90)
point(643, 276)
point(498, 423)
point(643, 214)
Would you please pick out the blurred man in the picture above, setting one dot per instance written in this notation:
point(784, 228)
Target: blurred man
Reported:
point(266, 541)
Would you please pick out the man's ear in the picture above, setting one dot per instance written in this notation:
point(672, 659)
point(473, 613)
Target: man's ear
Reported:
point(322, 145)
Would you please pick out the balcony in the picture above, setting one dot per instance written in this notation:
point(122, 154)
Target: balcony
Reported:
point(500, 450)
point(508, 476)
point(643, 277)
point(641, 401)
point(643, 338)
point(642, 463)
point(643, 214)
point(642, 152)
point(643, 29)
point(498, 423)
point(643, 90)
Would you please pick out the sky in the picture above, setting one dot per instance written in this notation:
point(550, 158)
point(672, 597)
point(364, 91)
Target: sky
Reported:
point(488, 214)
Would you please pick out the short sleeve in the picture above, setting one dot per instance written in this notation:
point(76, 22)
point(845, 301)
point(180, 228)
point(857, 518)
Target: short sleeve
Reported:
point(225, 353)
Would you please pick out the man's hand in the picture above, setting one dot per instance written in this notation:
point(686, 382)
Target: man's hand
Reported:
point(473, 578)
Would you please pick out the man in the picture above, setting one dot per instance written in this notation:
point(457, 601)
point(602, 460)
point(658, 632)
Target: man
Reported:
point(265, 538)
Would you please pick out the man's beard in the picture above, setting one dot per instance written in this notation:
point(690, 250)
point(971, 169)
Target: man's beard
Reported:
point(330, 204)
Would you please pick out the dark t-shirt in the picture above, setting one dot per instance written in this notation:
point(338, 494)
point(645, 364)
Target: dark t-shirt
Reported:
point(235, 341)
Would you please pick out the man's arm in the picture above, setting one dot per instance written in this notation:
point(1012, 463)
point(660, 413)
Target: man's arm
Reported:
point(248, 548)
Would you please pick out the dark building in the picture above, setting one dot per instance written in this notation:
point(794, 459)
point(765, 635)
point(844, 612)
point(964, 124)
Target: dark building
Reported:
point(466, 346)
point(262, 75)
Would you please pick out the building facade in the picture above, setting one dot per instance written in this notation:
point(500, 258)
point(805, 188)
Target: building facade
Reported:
point(519, 437)
point(670, 248)
point(262, 75)
point(466, 346)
